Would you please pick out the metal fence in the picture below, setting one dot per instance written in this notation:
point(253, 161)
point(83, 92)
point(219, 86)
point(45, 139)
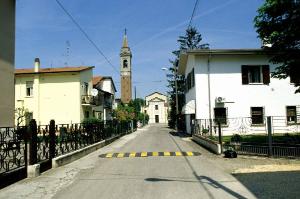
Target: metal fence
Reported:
point(272, 136)
point(33, 144)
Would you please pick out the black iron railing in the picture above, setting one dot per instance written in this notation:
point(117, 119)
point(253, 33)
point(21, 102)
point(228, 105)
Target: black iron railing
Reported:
point(88, 100)
point(44, 142)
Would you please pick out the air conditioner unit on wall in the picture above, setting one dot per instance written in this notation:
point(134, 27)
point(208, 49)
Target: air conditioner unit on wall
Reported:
point(220, 99)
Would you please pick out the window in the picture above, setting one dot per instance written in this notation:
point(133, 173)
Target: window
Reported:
point(255, 74)
point(86, 114)
point(86, 88)
point(294, 77)
point(156, 107)
point(29, 88)
point(125, 63)
point(257, 115)
point(190, 80)
point(291, 114)
point(220, 115)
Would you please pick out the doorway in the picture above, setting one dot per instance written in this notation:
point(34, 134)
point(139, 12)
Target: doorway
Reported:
point(156, 118)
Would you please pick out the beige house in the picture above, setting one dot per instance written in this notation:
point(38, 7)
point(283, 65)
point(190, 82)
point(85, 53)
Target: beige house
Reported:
point(7, 56)
point(106, 97)
point(62, 94)
point(157, 108)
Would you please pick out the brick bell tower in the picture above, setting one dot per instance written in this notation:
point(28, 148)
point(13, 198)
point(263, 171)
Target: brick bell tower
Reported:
point(125, 62)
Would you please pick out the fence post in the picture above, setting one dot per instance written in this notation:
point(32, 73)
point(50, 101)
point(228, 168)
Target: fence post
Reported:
point(52, 139)
point(269, 127)
point(220, 135)
point(32, 132)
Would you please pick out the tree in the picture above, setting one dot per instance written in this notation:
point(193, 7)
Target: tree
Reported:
point(21, 114)
point(130, 111)
point(277, 24)
point(191, 40)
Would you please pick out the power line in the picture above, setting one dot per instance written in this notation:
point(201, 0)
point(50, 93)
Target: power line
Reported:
point(194, 10)
point(86, 35)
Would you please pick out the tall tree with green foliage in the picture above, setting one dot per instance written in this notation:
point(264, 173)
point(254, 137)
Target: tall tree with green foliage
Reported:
point(191, 40)
point(277, 24)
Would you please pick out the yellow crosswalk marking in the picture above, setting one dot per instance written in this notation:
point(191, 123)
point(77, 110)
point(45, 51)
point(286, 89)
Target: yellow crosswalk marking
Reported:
point(144, 154)
point(149, 154)
point(109, 155)
point(155, 154)
point(120, 155)
point(132, 154)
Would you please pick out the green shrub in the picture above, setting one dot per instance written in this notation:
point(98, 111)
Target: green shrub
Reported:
point(89, 121)
point(236, 138)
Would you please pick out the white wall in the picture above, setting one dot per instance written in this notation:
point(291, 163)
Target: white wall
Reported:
point(226, 81)
point(162, 112)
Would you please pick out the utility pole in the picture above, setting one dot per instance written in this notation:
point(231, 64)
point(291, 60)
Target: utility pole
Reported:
point(135, 92)
point(176, 98)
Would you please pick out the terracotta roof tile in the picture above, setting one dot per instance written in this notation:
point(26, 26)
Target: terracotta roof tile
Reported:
point(96, 79)
point(53, 70)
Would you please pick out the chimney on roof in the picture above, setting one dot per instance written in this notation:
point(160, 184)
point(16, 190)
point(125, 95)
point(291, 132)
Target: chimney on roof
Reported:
point(36, 65)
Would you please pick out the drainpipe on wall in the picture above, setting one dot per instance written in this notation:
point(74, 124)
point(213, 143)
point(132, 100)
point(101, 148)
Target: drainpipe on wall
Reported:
point(209, 94)
point(36, 88)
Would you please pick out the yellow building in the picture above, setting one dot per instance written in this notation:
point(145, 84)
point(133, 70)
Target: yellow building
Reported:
point(62, 94)
point(7, 57)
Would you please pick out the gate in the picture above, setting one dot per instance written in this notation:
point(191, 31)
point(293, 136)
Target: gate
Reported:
point(13, 155)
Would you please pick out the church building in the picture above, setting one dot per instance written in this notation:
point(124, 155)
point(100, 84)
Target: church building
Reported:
point(126, 75)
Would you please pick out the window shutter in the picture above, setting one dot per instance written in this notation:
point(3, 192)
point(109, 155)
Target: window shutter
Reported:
point(298, 114)
point(245, 79)
point(294, 74)
point(266, 74)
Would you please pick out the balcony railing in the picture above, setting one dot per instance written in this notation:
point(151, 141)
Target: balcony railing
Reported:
point(88, 100)
point(107, 104)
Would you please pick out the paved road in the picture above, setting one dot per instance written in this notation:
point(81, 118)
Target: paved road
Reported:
point(185, 177)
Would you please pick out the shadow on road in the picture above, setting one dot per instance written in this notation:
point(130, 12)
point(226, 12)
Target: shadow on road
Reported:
point(179, 134)
point(202, 180)
point(284, 184)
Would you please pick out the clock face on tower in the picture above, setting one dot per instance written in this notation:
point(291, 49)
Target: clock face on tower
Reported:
point(125, 73)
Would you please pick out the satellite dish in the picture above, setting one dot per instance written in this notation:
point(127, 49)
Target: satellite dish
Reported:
point(94, 92)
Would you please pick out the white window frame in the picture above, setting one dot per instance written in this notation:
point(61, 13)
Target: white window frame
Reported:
point(29, 85)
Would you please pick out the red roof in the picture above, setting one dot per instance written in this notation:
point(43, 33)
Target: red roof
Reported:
point(53, 70)
point(96, 80)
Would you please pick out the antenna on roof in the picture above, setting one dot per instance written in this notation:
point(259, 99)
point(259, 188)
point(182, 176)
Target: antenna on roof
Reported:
point(67, 54)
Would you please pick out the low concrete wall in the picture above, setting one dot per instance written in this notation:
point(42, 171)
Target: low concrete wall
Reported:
point(209, 144)
point(75, 155)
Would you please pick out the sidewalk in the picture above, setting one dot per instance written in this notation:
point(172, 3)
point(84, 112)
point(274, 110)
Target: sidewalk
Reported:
point(48, 183)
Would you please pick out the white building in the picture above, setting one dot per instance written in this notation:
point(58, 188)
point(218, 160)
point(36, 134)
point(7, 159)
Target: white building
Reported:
point(62, 94)
point(236, 84)
point(106, 96)
point(157, 108)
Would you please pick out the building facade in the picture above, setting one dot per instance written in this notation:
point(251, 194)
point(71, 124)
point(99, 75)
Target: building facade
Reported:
point(7, 57)
point(157, 108)
point(227, 84)
point(62, 94)
point(126, 71)
point(106, 97)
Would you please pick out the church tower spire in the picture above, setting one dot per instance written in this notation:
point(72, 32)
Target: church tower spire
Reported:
point(125, 68)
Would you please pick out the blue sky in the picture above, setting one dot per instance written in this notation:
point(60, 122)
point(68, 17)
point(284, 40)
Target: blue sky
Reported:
point(43, 30)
